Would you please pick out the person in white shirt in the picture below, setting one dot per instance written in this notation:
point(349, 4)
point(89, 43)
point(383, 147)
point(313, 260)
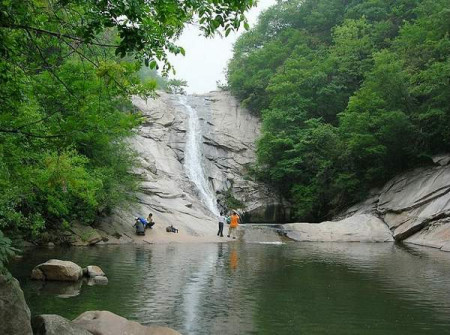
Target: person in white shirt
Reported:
point(221, 223)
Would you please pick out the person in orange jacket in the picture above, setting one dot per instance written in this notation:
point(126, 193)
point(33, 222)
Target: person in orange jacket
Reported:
point(233, 225)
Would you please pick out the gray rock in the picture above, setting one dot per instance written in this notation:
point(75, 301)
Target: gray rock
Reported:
point(14, 312)
point(436, 235)
point(55, 269)
point(85, 235)
point(94, 270)
point(442, 160)
point(107, 323)
point(357, 228)
point(51, 324)
point(414, 205)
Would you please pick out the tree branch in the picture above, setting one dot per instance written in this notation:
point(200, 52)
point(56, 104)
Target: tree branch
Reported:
point(57, 35)
point(19, 132)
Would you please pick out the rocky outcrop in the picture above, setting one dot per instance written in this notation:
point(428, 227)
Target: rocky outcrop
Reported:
point(14, 312)
point(414, 205)
point(228, 145)
point(51, 324)
point(107, 323)
point(55, 269)
point(357, 228)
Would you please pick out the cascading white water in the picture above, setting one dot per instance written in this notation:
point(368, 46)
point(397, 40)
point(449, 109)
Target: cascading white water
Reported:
point(193, 157)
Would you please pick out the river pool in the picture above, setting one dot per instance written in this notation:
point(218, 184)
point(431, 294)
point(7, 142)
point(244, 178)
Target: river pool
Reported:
point(256, 288)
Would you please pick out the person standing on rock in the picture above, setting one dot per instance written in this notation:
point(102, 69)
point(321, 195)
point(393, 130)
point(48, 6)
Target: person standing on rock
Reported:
point(221, 223)
point(233, 225)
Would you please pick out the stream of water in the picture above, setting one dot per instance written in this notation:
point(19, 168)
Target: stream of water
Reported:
point(193, 157)
point(256, 288)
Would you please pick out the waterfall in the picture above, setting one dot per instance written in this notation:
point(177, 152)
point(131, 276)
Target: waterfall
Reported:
point(193, 157)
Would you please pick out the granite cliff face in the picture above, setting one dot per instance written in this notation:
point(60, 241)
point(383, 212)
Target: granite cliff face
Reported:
point(226, 134)
point(413, 207)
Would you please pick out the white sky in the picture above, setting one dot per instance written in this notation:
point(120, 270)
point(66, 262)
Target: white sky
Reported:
point(206, 58)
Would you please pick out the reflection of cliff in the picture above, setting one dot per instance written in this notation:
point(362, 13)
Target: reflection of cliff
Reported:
point(228, 135)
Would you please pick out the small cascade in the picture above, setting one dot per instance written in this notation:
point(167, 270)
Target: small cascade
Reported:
point(193, 157)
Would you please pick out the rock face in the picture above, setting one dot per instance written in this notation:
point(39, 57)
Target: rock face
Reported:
point(50, 324)
point(14, 312)
point(357, 228)
point(229, 142)
point(414, 205)
point(107, 323)
point(228, 145)
point(55, 269)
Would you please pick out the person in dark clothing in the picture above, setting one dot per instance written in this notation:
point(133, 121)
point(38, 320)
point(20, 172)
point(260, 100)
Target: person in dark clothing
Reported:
point(221, 223)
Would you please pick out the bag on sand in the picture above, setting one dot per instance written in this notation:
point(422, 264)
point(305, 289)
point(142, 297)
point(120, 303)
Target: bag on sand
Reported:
point(171, 229)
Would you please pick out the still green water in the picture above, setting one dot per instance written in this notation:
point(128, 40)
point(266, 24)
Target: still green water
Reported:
point(251, 288)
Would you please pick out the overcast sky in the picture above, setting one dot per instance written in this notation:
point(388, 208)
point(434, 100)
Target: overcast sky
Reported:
point(206, 58)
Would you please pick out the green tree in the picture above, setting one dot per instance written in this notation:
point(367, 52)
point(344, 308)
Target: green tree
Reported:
point(350, 93)
point(68, 70)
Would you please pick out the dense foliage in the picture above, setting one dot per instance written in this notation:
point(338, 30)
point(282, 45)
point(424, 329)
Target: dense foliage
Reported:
point(350, 93)
point(68, 69)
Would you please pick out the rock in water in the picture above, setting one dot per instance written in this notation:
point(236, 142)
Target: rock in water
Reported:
point(94, 270)
point(50, 324)
point(107, 323)
point(55, 269)
point(357, 228)
point(14, 312)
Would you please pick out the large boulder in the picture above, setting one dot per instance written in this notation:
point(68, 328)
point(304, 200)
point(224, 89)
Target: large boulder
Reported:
point(357, 228)
point(14, 312)
point(107, 323)
point(55, 269)
point(50, 324)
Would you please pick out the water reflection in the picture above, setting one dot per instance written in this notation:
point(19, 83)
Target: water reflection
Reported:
point(249, 288)
point(59, 289)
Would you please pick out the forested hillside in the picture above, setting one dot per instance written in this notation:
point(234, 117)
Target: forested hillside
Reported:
point(350, 93)
point(68, 69)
